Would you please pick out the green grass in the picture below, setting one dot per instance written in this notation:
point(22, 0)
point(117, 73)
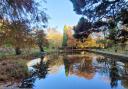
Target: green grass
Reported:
point(7, 54)
point(116, 49)
point(3, 54)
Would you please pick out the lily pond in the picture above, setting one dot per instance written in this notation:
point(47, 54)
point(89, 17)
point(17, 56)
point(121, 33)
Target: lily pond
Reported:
point(76, 71)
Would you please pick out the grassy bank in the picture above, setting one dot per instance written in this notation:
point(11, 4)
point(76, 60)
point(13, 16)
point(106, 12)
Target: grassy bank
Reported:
point(14, 67)
point(13, 70)
point(110, 53)
point(4, 52)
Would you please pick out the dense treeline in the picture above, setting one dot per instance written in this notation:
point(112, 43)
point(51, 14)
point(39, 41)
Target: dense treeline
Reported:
point(20, 22)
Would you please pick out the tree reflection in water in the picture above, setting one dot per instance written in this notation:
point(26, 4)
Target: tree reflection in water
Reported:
point(116, 70)
point(80, 66)
point(40, 71)
point(66, 65)
point(114, 74)
point(85, 66)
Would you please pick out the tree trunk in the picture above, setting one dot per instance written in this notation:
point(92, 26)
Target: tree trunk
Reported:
point(18, 51)
point(116, 48)
point(41, 49)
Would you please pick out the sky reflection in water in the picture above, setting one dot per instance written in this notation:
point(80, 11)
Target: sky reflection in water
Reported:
point(87, 71)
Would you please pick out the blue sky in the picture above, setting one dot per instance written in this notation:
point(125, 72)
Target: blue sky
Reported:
point(61, 13)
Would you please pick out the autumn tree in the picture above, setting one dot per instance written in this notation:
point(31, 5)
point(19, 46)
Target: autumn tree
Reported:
point(41, 40)
point(68, 38)
point(71, 42)
point(17, 35)
point(89, 42)
point(17, 18)
point(54, 38)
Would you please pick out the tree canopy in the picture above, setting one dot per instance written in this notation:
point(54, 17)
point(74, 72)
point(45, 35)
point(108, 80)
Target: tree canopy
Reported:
point(97, 9)
point(99, 13)
point(26, 10)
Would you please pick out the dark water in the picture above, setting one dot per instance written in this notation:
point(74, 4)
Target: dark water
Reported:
point(77, 71)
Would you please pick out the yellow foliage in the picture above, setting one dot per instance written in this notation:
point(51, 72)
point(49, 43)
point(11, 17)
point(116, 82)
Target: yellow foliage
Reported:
point(89, 42)
point(54, 37)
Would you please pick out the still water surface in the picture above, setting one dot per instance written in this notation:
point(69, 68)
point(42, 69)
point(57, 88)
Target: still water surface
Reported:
point(77, 71)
